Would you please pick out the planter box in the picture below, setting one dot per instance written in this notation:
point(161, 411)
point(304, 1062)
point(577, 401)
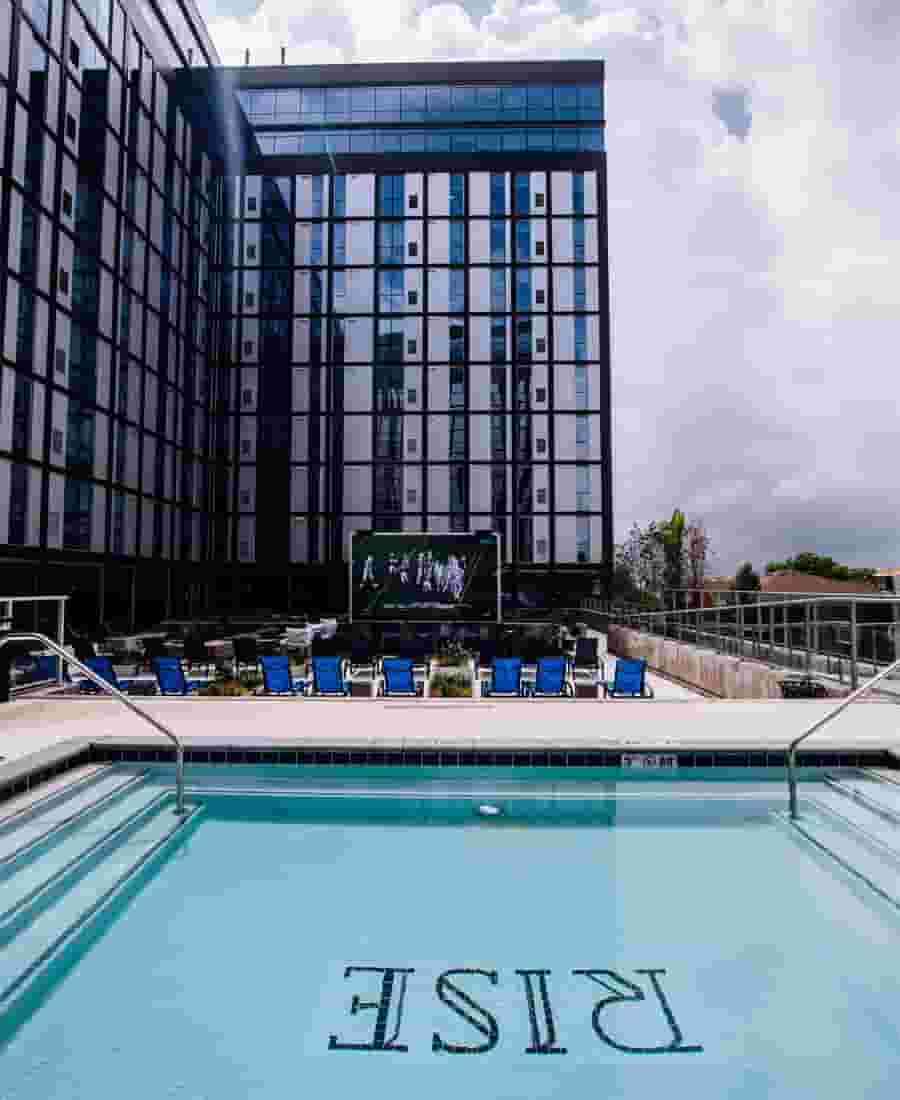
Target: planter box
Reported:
point(452, 681)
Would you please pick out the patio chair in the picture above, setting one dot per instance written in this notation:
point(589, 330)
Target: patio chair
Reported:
point(103, 667)
point(629, 680)
point(196, 653)
point(361, 655)
point(246, 651)
point(153, 648)
point(170, 677)
point(329, 676)
point(587, 658)
point(397, 677)
point(277, 679)
point(506, 677)
point(551, 678)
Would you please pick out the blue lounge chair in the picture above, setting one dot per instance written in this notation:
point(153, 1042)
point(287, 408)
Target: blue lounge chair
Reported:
point(328, 676)
point(171, 678)
point(277, 680)
point(506, 677)
point(630, 680)
point(552, 678)
point(397, 677)
point(103, 667)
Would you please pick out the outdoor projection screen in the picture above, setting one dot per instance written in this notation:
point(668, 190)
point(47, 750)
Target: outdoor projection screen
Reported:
point(425, 576)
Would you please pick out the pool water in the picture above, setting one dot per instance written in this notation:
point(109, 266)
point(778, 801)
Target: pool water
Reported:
point(601, 939)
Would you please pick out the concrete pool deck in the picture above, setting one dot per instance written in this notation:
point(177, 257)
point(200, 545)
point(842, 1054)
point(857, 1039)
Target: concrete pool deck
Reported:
point(679, 722)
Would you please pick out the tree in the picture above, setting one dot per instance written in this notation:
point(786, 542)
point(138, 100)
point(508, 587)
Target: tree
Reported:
point(746, 579)
point(696, 552)
point(820, 566)
point(672, 535)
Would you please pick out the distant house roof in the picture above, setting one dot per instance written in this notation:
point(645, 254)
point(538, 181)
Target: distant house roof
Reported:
point(718, 582)
point(895, 572)
point(789, 581)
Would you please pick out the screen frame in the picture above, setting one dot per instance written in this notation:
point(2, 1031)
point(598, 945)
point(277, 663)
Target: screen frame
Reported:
point(369, 533)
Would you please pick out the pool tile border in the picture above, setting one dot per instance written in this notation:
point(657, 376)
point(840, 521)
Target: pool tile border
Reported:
point(18, 777)
point(473, 758)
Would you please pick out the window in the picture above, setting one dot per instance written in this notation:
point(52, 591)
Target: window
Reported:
point(522, 193)
point(246, 446)
point(246, 397)
point(412, 298)
point(457, 242)
point(390, 291)
point(523, 241)
point(340, 196)
point(390, 196)
point(339, 236)
point(498, 339)
point(71, 128)
point(411, 496)
point(541, 548)
point(391, 238)
point(539, 296)
point(53, 524)
point(457, 299)
point(251, 203)
point(249, 298)
point(248, 347)
point(498, 290)
point(413, 248)
point(498, 194)
point(245, 498)
point(251, 251)
point(60, 361)
point(339, 281)
point(583, 538)
point(411, 397)
point(540, 395)
point(541, 446)
point(57, 441)
point(74, 53)
point(457, 195)
point(580, 286)
point(582, 433)
point(541, 344)
point(414, 202)
point(498, 241)
point(583, 488)
point(539, 248)
point(578, 192)
point(580, 338)
point(539, 199)
point(67, 203)
point(244, 548)
point(410, 347)
point(542, 496)
point(578, 239)
point(63, 281)
point(412, 446)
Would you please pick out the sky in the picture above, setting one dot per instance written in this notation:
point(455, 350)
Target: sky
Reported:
point(753, 152)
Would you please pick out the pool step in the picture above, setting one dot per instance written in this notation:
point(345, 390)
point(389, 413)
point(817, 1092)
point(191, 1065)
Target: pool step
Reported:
point(856, 839)
point(52, 896)
point(878, 798)
point(42, 863)
point(40, 819)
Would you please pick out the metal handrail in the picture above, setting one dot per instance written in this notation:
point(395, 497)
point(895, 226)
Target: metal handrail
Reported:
point(106, 686)
point(833, 713)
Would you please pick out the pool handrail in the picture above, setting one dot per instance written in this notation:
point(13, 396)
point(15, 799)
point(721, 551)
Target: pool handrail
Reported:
point(824, 720)
point(104, 685)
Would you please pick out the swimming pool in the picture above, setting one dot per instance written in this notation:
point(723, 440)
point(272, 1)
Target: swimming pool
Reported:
point(343, 932)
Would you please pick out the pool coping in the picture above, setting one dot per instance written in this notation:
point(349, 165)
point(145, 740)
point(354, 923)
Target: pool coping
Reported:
point(19, 776)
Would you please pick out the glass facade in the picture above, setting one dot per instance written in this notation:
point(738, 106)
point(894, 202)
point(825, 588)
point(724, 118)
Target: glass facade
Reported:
point(220, 357)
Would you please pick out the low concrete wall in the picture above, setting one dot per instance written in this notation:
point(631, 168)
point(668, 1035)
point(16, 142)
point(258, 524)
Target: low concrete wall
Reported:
point(727, 677)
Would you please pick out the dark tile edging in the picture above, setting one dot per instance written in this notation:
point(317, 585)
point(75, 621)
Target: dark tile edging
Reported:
point(532, 758)
point(20, 776)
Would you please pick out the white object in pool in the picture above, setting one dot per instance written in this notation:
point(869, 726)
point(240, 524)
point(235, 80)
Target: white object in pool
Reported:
point(486, 810)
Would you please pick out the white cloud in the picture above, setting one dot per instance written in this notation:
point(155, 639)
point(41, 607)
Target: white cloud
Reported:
point(754, 311)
